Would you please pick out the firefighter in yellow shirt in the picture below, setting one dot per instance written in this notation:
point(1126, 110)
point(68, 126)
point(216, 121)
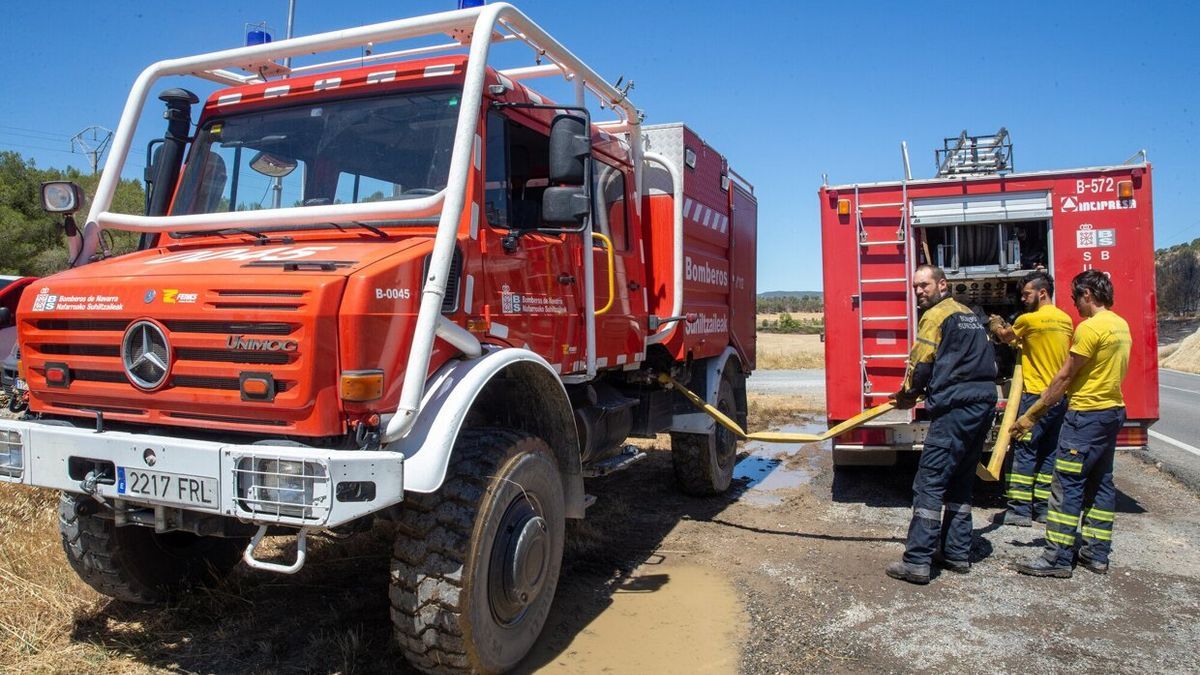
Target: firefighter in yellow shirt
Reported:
point(1082, 494)
point(1043, 333)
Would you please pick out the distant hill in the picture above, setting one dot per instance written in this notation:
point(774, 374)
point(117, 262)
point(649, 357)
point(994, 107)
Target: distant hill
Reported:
point(790, 294)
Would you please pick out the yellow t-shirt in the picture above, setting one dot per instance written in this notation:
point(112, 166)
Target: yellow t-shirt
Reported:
point(1045, 335)
point(1104, 339)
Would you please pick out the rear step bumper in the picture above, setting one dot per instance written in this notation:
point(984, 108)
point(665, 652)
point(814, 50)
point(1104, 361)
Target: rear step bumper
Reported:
point(262, 484)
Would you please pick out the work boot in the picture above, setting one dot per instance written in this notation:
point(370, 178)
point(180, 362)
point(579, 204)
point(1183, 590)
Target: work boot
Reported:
point(1040, 518)
point(956, 566)
point(1038, 567)
point(914, 574)
point(1015, 519)
point(1090, 565)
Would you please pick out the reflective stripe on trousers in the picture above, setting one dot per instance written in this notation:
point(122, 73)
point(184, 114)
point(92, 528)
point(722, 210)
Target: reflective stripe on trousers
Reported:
point(1082, 495)
point(1032, 461)
point(943, 484)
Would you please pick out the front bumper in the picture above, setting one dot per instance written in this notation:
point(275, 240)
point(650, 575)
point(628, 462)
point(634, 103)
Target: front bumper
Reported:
point(262, 484)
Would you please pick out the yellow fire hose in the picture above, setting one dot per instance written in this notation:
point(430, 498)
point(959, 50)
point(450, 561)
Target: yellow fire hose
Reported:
point(991, 471)
point(774, 436)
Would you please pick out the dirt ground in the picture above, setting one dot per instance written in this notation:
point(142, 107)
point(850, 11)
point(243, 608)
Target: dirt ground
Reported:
point(782, 575)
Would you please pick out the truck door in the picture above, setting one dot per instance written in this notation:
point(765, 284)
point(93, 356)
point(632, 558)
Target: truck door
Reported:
point(534, 291)
point(621, 328)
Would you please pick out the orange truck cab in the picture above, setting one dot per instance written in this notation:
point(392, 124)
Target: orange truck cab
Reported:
point(393, 286)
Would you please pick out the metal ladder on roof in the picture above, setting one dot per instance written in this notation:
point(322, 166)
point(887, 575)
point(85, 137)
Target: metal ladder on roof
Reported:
point(894, 283)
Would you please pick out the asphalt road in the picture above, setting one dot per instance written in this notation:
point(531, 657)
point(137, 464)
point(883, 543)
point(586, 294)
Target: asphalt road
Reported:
point(1175, 438)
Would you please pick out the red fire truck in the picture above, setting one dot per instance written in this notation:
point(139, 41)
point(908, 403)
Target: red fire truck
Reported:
point(404, 285)
point(986, 226)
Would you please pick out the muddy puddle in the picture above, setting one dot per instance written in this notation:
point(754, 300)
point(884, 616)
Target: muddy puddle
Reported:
point(773, 468)
point(664, 618)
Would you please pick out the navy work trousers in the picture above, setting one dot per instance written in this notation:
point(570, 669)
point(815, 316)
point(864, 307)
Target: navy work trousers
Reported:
point(1032, 459)
point(1082, 495)
point(944, 481)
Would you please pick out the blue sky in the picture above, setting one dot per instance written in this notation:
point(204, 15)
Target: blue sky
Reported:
point(786, 90)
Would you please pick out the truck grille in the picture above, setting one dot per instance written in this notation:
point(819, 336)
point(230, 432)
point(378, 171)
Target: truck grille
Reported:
point(58, 340)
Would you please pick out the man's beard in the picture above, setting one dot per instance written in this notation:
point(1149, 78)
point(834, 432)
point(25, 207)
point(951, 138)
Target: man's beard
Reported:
point(930, 301)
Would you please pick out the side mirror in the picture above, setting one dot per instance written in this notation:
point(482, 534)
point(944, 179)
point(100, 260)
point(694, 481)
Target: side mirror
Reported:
point(570, 149)
point(61, 196)
point(565, 206)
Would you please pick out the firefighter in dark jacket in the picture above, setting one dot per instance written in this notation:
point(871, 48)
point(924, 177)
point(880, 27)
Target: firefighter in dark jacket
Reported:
point(952, 364)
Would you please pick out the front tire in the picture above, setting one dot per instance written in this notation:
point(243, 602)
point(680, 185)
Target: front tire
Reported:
point(704, 462)
point(475, 566)
point(137, 564)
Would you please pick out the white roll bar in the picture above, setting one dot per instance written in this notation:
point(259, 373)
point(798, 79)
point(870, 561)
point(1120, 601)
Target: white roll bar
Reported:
point(482, 25)
point(677, 218)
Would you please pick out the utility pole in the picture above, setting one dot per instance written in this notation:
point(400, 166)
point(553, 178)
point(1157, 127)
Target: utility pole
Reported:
point(93, 142)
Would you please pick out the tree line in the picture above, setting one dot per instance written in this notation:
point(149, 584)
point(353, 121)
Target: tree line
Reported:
point(1177, 278)
point(791, 303)
point(32, 241)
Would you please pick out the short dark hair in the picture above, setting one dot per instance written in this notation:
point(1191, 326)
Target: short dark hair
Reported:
point(1095, 281)
point(938, 274)
point(1041, 282)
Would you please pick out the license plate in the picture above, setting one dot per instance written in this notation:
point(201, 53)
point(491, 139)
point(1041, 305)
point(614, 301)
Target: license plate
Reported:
point(167, 487)
point(20, 385)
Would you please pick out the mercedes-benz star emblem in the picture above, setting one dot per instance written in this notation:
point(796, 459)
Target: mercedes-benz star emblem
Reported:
point(149, 297)
point(146, 355)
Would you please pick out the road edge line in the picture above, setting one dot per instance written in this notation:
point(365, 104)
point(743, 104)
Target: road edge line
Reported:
point(1179, 444)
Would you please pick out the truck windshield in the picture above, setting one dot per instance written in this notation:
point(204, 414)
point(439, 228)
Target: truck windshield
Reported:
point(332, 152)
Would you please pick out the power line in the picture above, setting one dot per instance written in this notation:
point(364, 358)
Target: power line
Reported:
point(35, 131)
point(128, 163)
point(36, 138)
point(36, 147)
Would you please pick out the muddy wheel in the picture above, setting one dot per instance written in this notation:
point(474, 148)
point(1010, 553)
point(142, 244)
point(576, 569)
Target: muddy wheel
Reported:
point(475, 566)
point(136, 564)
point(704, 462)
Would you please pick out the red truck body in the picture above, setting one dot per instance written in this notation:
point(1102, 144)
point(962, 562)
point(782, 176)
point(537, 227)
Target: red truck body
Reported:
point(1067, 221)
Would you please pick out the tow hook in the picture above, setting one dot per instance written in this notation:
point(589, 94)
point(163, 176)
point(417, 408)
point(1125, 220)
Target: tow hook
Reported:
point(89, 487)
point(366, 434)
point(301, 553)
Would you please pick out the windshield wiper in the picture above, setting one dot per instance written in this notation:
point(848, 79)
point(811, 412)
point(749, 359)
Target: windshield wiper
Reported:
point(376, 230)
point(259, 237)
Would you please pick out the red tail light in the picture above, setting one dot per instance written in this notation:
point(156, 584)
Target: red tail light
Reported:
point(1135, 436)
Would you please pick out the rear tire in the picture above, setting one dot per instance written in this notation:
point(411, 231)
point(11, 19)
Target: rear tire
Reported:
point(704, 462)
point(137, 564)
point(475, 565)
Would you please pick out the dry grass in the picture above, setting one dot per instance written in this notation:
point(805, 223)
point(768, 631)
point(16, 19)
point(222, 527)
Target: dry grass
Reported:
point(330, 617)
point(40, 593)
point(771, 410)
point(1185, 356)
point(785, 351)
